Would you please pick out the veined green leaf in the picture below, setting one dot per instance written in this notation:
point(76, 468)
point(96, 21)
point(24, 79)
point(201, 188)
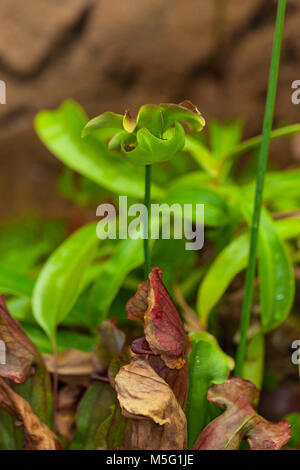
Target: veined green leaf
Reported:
point(276, 278)
point(60, 280)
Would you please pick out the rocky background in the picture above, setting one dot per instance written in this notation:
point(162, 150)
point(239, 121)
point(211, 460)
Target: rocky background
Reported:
point(114, 54)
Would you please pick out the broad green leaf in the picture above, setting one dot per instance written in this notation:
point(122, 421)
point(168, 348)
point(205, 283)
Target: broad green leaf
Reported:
point(253, 368)
point(60, 280)
point(207, 365)
point(60, 131)
point(231, 261)
point(129, 255)
point(276, 278)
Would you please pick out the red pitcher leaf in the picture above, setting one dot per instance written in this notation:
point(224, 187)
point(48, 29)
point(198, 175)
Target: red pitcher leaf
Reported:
point(158, 421)
point(240, 420)
point(37, 435)
point(163, 327)
point(265, 435)
point(21, 353)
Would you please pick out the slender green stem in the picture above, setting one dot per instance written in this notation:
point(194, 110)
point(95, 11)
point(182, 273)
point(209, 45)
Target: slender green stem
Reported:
point(146, 224)
point(262, 164)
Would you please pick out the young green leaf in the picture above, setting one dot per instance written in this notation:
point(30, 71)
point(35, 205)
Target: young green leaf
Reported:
point(60, 280)
point(276, 278)
point(207, 365)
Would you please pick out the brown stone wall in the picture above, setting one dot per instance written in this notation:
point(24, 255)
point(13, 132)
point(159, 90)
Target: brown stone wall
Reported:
point(114, 54)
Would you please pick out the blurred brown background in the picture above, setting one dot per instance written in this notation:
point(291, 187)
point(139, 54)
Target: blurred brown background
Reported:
point(114, 54)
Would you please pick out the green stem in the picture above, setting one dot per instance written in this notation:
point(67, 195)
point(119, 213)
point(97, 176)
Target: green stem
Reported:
point(262, 164)
point(147, 204)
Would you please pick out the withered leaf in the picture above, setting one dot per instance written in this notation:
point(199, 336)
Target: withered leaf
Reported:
point(111, 341)
point(164, 331)
point(21, 353)
point(71, 362)
point(65, 414)
point(158, 421)
point(37, 435)
point(240, 420)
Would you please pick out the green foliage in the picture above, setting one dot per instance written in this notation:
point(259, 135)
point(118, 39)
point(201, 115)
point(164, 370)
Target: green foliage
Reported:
point(208, 365)
point(61, 278)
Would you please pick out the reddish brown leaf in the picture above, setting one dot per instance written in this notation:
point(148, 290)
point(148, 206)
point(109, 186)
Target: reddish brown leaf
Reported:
point(37, 435)
point(21, 353)
point(163, 327)
point(158, 421)
point(110, 343)
point(136, 306)
point(177, 379)
point(240, 420)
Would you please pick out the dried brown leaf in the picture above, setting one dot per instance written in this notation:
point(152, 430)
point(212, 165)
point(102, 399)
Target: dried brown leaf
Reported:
point(71, 362)
point(158, 421)
point(37, 435)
